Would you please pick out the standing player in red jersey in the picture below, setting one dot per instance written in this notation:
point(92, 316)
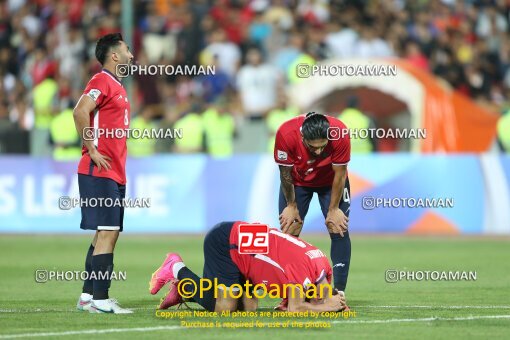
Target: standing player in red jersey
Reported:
point(290, 263)
point(102, 169)
point(312, 152)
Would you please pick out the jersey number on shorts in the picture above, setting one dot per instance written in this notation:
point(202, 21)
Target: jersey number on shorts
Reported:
point(346, 197)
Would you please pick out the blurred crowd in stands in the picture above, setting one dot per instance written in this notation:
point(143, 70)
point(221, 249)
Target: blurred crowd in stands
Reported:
point(47, 56)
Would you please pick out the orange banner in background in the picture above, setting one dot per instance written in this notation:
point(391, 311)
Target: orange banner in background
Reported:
point(454, 122)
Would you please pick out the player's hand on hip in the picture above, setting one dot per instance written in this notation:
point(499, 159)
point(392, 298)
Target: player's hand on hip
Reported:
point(289, 216)
point(100, 160)
point(337, 222)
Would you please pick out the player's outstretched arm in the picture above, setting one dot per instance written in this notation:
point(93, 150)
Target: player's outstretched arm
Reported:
point(81, 114)
point(297, 302)
point(290, 214)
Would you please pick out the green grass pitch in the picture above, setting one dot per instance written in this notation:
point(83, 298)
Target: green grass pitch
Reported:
point(409, 309)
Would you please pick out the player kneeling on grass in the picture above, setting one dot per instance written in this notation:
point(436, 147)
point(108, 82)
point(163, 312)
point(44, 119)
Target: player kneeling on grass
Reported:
point(289, 265)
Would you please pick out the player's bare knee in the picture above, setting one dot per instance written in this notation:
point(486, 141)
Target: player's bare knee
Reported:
point(94, 240)
point(225, 304)
point(106, 240)
point(107, 235)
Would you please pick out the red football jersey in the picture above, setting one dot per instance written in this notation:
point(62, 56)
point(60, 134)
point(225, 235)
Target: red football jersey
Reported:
point(290, 260)
point(111, 114)
point(308, 170)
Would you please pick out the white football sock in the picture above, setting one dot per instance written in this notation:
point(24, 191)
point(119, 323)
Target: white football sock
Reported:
point(85, 296)
point(177, 266)
point(100, 302)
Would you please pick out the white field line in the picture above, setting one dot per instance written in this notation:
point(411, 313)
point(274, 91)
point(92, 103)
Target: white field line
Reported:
point(439, 307)
point(149, 329)
point(460, 318)
point(61, 310)
point(90, 331)
point(46, 310)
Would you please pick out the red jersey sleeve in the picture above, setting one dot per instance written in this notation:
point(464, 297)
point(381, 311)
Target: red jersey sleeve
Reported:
point(282, 152)
point(341, 151)
point(301, 275)
point(97, 90)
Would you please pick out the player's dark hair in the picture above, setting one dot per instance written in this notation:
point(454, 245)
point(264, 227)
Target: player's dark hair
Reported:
point(104, 45)
point(315, 126)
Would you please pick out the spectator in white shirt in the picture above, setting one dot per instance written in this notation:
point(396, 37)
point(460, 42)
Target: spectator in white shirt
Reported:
point(257, 84)
point(227, 53)
point(341, 43)
point(370, 46)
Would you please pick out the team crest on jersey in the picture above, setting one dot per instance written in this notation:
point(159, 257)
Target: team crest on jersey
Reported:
point(282, 155)
point(306, 283)
point(94, 94)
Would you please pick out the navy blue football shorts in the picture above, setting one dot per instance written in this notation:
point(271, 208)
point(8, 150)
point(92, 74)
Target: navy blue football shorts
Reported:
point(96, 216)
point(217, 261)
point(304, 196)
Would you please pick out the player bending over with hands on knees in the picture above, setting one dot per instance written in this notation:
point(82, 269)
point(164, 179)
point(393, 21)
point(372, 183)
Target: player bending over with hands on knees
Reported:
point(312, 153)
point(289, 267)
